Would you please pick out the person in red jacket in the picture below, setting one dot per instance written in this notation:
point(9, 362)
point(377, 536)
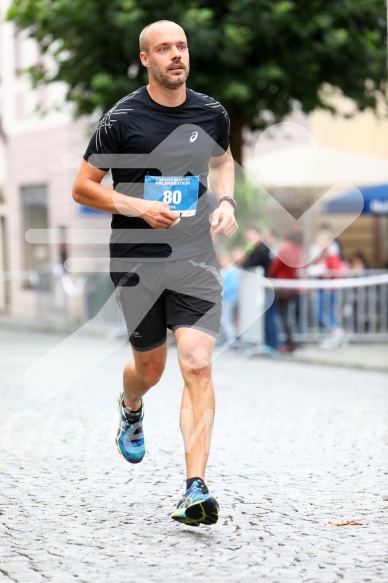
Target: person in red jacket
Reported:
point(290, 258)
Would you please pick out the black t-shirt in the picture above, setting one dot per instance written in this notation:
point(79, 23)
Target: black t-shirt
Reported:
point(258, 257)
point(150, 140)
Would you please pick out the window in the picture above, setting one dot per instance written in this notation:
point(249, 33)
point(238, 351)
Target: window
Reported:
point(35, 216)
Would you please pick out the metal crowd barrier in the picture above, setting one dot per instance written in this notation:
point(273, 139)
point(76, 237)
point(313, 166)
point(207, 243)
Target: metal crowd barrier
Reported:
point(359, 302)
point(60, 298)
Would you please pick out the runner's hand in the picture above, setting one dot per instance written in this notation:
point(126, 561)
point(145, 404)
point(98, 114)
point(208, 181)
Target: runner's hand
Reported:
point(223, 220)
point(159, 216)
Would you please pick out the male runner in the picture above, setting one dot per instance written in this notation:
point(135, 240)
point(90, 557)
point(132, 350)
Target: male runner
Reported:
point(162, 260)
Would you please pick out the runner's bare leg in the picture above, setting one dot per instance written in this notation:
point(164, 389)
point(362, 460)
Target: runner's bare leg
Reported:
point(142, 373)
point(198, 403)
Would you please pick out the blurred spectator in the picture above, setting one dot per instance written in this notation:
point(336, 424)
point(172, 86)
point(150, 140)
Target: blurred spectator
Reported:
point(63, 248)
point(358, 262)
point(359, 298)
point(325, 234)
point(328, 264)
point(271, 239)
point(259, 255)
point(286, 266)
point(231, 278)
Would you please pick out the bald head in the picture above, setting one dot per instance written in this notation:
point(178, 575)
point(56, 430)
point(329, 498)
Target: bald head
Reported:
point(152, 30)
point(165, 54)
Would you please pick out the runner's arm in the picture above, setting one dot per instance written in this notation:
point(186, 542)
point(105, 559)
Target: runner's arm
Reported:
point(88, 191)
point(221, 181)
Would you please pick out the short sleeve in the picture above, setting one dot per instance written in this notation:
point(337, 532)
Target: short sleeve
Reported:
point(223, 139)
point(106, 138)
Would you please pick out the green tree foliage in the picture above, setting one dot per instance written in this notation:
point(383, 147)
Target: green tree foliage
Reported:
point(258, 57)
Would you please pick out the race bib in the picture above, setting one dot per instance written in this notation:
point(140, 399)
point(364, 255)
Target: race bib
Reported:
point(179, 192)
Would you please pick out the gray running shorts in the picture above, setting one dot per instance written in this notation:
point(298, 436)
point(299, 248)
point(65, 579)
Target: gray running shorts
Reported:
point(158, 295)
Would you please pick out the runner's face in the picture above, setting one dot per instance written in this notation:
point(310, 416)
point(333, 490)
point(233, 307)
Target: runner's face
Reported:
point(167, 59)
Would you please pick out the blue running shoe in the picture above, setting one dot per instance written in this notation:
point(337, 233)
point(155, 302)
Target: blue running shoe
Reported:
point(196, 506)
point(130, 439)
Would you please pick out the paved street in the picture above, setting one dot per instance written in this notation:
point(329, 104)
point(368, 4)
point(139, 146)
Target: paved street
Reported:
point(295, 446)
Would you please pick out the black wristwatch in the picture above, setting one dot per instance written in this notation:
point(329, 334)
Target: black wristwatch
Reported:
point(229, 199)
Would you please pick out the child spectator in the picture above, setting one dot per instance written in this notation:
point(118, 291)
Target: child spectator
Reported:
point(231, 277)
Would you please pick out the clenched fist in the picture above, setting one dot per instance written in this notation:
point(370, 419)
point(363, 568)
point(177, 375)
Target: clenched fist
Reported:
point(159, 216)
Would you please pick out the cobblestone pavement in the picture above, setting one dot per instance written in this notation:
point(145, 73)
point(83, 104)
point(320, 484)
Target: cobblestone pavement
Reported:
point(295, 446)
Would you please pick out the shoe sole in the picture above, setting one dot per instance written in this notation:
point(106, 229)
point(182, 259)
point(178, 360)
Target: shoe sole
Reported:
point(204, 512)
point(126, 459)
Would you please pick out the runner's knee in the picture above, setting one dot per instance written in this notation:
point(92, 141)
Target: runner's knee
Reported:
point(197, 359)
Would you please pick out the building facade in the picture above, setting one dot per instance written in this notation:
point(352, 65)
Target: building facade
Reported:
point(41, 148)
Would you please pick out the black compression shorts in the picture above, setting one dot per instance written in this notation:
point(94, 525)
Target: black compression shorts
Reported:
point(158, 295)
